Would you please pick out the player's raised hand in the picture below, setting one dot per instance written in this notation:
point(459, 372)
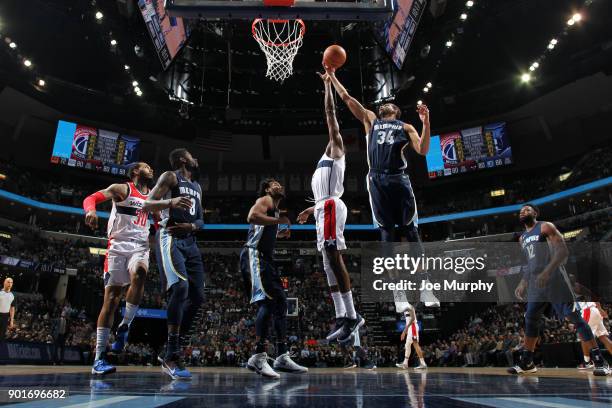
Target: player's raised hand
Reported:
point(183, 203)
point(519, 292)
point(181, 228)
point(423, 112)
point(91, 219)
point(325, 77)
point(303, 216)
point(329, 70)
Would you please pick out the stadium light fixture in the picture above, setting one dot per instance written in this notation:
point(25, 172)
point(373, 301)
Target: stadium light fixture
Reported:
point(13, 45)
point(449, 44)
point(99, 15)
point(113, 42)
point(41, 82)
point(426, 89)
point(469, 4)
point(126, 67)
point(429, 85)
point(463, 16)
point(135, 84)
point(27, 63)
point(525, 78)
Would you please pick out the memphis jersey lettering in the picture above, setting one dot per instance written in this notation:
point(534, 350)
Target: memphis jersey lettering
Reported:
point(537, 253)
point(185, 188)
point(386, 143)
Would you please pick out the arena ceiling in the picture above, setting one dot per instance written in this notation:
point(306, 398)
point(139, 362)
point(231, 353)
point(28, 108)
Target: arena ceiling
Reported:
point(477, 77)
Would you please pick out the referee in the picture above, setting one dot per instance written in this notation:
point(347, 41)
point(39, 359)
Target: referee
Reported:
point(7, 310)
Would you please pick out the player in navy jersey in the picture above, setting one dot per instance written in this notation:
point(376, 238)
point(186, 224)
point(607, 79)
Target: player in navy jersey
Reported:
point(546, 282)
point(263, 282)
point(179, 196)
point(391, 196)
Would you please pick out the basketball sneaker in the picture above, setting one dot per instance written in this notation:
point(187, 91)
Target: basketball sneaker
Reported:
point(174, 367)
point(429, 299)
point(602, 368)
point(522, 368)
point(421, 366)
point(403, 365)
point(349, 327)
point(602, 371)
point(368, 365)
point(102, 367)
point(335, 332)
point(586, 366)
point(121, 337)
point(350, 365)
point(259, 364)
point(286, 364)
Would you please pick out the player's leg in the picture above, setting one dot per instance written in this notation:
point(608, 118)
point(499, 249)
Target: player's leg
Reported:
point(115, 279)
point(586, 350)
point(598, 327)
point(171, 265)
point(419, 352)
point(138, 266)
point(252, 272)
point(195, 297)
point(533, 316)
point(407, 351)
point(568, 311)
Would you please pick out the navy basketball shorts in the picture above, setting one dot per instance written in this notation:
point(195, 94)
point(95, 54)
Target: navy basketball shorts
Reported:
point(178, 259)
point(260, 277)
point(392, 200)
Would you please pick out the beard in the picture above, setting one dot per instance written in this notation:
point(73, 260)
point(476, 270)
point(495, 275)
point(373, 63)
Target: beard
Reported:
point(527, 219)
point(194, 170)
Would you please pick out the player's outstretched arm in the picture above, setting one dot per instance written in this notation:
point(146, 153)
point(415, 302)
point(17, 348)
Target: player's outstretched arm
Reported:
point(258, 214)
point(364, 115)
point(420, 144)
point(559, 252)
point(116, 192)
point(304, 215)
point(165, 183)
point(336, 145)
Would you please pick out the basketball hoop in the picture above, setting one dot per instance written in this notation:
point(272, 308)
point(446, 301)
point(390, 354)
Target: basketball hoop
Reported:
point(280, 41)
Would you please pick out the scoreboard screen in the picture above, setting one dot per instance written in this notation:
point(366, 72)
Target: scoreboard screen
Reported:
point(467, 150)
point(95, 149)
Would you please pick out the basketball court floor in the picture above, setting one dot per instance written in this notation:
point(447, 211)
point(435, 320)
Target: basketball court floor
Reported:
point(138, 387)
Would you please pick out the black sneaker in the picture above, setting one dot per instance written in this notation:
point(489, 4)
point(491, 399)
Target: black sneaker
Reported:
point(602, 368)
point(522, 368)
point(335, 332)
point(351, 364)
point(349, 328)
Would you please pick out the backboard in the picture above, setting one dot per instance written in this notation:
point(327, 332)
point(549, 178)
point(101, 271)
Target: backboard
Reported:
point(352, 10)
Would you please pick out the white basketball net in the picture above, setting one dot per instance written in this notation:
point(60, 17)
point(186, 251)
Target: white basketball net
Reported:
point(280, 41)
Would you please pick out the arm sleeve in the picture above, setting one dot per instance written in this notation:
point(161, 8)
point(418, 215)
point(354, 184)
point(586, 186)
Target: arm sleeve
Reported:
point(89, 203)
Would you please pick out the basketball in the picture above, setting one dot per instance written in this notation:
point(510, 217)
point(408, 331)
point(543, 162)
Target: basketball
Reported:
point(334, 56)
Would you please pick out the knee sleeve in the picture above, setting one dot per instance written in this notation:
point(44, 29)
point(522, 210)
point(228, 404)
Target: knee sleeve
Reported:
point(583, 329)
point(387, 234)
point(177, 295)
point(262, 320)
point(331, 278)
point(532, 326)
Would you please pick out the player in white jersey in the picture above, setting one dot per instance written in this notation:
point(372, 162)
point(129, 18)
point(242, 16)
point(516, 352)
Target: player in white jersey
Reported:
point(127, 256)
point(594, 315)
point(330, 216)
point(411, 334)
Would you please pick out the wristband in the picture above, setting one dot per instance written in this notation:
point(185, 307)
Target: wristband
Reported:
point(89, 204)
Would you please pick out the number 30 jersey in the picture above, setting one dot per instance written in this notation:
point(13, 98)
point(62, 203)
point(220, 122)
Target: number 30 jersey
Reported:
point(386, 142)
point(184, 188)
point(128, 222)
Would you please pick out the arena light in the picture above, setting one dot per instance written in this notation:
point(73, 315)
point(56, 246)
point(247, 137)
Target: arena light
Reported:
point(534, 66)
point(419, 103)
point(99, 15)
point(135, 84)
point(571, 22)
point(426, 89)
point(565, 176)
point(12, 45)
point(469, 4)
point(137, 89)
point(27, 63)
point(113, 42)
point(429, 85)
point(498, 193)
point(449, 44)
point(41, 82)
point(126, 67)
point(525, 78)
point(463, 16)
point(577, 17)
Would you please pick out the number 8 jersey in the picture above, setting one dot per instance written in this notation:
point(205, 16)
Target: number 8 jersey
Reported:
point(128, 222)
point(386, 143)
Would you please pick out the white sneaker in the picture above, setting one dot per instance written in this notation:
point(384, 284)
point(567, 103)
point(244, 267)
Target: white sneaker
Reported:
point(259, 364)
point(403, 366)
point(285, 363)
point(602, 371)
point(429, 299)
point(401, 302)
point(421, 367)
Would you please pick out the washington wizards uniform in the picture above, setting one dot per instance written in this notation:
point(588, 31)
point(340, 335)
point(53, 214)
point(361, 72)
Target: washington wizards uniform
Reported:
point(557, 291)
point(178, 257)
point(391, 196)
point(128, 238)
point(256, 263)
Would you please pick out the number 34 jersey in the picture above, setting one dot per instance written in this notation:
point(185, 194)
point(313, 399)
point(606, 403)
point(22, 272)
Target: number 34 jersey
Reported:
point(128, 222)
point(386, 143)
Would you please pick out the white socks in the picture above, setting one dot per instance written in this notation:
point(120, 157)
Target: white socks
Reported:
point(347, 298)
point(338, 304)
point(102, 334)
point(130, 313)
